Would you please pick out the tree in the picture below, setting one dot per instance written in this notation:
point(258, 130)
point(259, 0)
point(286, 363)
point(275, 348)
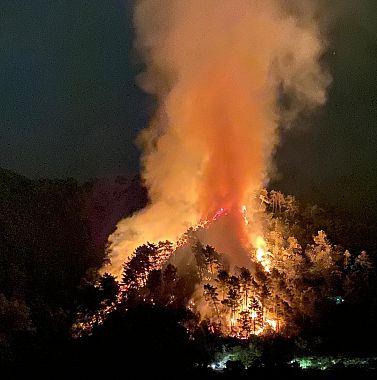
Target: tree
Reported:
point(169, 275)
point(245, 281)
point(291, 206)
point(363, 262)
point(169, 278)
point(211, 295)
point(109, 287)
point(264, 198)
point(256, 314)
point(320, 253)
point(207, 259)
point(233, 298)
point(154, 284)
point(347, 259)
point(201, 264)
point(245, 323)
point(137, 268)
point(277, 199)
point(223, 280)
point(211, 258)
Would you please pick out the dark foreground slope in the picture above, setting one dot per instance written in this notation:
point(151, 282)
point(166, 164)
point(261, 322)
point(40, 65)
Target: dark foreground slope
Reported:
point(52, 232)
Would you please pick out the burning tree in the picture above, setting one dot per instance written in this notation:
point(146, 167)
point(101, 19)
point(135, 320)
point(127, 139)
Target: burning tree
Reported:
point(284, 286)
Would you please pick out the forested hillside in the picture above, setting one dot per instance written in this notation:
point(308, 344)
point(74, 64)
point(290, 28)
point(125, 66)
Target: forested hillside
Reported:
point(52, 235)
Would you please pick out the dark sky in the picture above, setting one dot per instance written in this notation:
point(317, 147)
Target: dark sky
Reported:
point(70, 107)
point(69, 104)
point(333, 159)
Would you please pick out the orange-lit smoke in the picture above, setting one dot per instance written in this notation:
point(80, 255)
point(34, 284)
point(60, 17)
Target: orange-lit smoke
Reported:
point(217, 68)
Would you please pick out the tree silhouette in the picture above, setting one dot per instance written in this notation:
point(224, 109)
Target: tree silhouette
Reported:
point(210, 294)
point(207, 259)
point(137, 268)
point(245, 281)
point(109, 287)
point(233, 299)
point(256, 314)
point(245, 323)
point(154, 284)
point(223, 280)
point(170, 279)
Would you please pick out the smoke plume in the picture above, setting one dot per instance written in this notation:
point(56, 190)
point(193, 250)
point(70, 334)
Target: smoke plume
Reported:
point(218, 69)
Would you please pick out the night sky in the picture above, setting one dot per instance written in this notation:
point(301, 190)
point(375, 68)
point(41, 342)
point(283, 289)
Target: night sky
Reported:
point(70, 106)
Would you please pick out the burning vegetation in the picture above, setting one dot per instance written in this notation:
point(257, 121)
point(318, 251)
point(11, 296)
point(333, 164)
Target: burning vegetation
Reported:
point(293, 280)
point(237, 262)
point(213, 256)
point(218, 70)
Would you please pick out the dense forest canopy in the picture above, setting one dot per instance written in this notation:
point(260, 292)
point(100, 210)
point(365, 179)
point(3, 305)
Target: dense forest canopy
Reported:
point(318, 293)
point(294, 284)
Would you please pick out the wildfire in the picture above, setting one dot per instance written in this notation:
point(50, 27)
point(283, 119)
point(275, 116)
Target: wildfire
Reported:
point(252, 319)
point(250, 311)
point(263, 256)
point(243, 315)
point(214, 133)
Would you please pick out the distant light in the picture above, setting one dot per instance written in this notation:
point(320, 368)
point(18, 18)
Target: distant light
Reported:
point(339, 300)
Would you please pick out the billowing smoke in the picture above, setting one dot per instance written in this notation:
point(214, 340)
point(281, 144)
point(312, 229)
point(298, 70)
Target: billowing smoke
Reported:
point(218, 69)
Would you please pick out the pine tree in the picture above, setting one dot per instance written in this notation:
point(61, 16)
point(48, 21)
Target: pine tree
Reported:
point(245, 323)
point(233, 298)
point(211, 295)
point(223, 280)
point(245, 281)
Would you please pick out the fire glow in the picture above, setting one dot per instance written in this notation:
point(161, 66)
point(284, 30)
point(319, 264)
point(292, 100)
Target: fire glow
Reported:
point(261, 255)
point(217, 69)
point(250, 310)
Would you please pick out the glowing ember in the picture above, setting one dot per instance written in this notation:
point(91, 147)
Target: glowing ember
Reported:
point(219, 213)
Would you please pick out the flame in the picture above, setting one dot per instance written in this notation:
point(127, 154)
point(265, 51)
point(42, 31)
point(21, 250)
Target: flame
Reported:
point(244, 213)
point(217, 69)
point(260, 325)
point(268, 322)
point(272, 323)
point(219, 213)
point(262, 255)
